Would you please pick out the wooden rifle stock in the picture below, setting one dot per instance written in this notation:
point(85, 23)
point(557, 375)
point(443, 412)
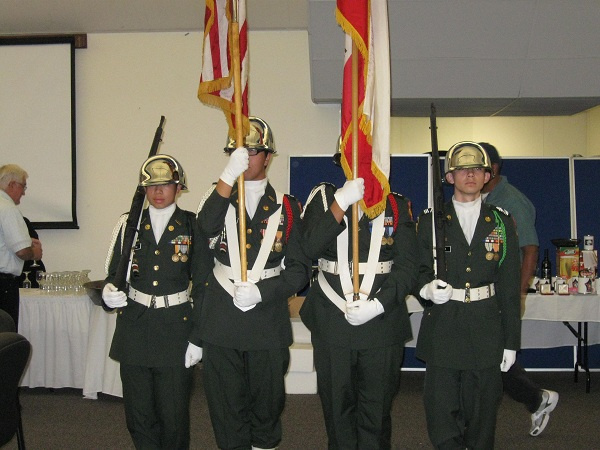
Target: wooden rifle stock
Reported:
point(438, 202)
point(137, 204)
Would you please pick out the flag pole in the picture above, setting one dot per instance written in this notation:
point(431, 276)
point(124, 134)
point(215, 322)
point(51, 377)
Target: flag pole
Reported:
point(355, 253)
point(239, 135)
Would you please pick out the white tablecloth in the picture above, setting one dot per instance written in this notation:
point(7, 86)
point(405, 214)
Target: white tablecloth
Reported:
point(70, 339)
point(101, 372)
point(57, 327)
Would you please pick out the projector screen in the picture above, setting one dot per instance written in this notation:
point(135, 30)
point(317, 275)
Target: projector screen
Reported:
point(37, 124)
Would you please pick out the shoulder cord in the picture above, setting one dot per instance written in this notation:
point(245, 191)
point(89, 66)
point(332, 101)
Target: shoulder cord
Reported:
point(290, 217)
point(394, 206)
point(119, 227)
point(315, 191)
point(500, 224)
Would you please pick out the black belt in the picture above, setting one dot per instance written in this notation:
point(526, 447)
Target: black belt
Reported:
point(7, 276)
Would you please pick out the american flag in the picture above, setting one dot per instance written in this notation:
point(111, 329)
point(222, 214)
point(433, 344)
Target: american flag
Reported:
point(216, 81)
point(366, 23)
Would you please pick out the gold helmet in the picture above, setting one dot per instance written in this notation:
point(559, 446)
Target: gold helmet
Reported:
point(260, 137)
point(466, 154)
point(162, 169)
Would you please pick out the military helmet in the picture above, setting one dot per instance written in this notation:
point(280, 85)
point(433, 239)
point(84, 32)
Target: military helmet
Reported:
point(465, 155)
point(259, 138)
point(337, 156)
point(162, 169)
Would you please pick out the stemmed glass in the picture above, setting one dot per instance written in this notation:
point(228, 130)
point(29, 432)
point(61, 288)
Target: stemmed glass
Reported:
point(34, 264)
point(27, 281)
point(40, 276)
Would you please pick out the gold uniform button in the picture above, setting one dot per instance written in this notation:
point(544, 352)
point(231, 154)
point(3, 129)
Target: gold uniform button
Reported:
point(467, 285)
point(248, 245)
point(171, 227)
point(147, 227)
point(249, 231)
point(185, 318)
point(156, 267)
point(155, 283)
point(468, 270)
point(469, 254)
point(157, 252)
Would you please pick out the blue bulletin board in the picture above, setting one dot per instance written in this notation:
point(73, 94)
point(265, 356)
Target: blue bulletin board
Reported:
point(545, 181)
point(587, 199)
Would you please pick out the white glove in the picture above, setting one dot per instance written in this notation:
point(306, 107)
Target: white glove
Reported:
point(246, 295)
point(361, 311)
point(437, 291)
point(193, 355)
point(508, 359)
point(113, 297)
point(237, 165)
point(350, 193)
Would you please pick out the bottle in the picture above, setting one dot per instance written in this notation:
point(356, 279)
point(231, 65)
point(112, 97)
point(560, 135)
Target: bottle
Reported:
point(546, 267)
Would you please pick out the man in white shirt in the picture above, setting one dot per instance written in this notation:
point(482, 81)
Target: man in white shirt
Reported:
point(16, 246)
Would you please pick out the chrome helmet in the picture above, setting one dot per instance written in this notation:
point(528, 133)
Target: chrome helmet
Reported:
point(337, 156)
point(259, 138)
point(162, 169)
point(466, 154)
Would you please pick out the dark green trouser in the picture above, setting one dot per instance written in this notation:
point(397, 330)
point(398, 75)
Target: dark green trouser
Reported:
point(157, 405)
point(357, 388)
point(245, 391)
point(461, 406)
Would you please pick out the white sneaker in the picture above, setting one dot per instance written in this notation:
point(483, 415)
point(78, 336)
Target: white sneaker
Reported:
point(539, 419)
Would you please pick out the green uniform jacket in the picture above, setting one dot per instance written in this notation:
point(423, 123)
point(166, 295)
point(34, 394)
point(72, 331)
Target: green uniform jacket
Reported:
point(325, 320)
point(267, 325)
point(154, 337)
point(472, 335)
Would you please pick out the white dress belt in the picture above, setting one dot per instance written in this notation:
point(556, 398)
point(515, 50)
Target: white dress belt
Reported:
point(473, 294)
point(227, 271)
point(332, 267)
point(158, 301)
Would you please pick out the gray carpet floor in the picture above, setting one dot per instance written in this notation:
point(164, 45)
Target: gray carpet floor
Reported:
point(63, 419)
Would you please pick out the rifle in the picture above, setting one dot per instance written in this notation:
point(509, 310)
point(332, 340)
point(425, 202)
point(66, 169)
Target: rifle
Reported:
point(439, 256)
point(137, 204)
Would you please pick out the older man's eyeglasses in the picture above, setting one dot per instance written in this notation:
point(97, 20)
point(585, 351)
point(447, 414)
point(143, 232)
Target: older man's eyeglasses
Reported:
point(23, 185)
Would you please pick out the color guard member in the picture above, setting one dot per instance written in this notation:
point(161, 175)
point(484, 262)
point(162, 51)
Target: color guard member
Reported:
point(471, 326)
point(155, 339)
point(245, 325)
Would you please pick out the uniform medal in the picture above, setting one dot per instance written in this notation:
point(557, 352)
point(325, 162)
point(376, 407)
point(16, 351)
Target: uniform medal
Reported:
point(278, 246)
point(180, 246)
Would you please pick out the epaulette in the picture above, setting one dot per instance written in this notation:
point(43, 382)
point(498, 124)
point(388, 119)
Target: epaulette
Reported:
point(326, 183)
point(502, 210)
point(396, 193)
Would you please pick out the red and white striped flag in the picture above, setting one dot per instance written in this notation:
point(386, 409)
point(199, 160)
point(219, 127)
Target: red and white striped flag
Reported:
point(216, 81)
point(366, 23)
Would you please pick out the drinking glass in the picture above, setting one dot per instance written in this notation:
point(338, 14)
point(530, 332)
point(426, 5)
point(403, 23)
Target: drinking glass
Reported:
point(27, 281)
point(40, 276)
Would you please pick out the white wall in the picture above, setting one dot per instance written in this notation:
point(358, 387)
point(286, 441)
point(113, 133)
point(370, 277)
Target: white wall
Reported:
point(125, 82)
